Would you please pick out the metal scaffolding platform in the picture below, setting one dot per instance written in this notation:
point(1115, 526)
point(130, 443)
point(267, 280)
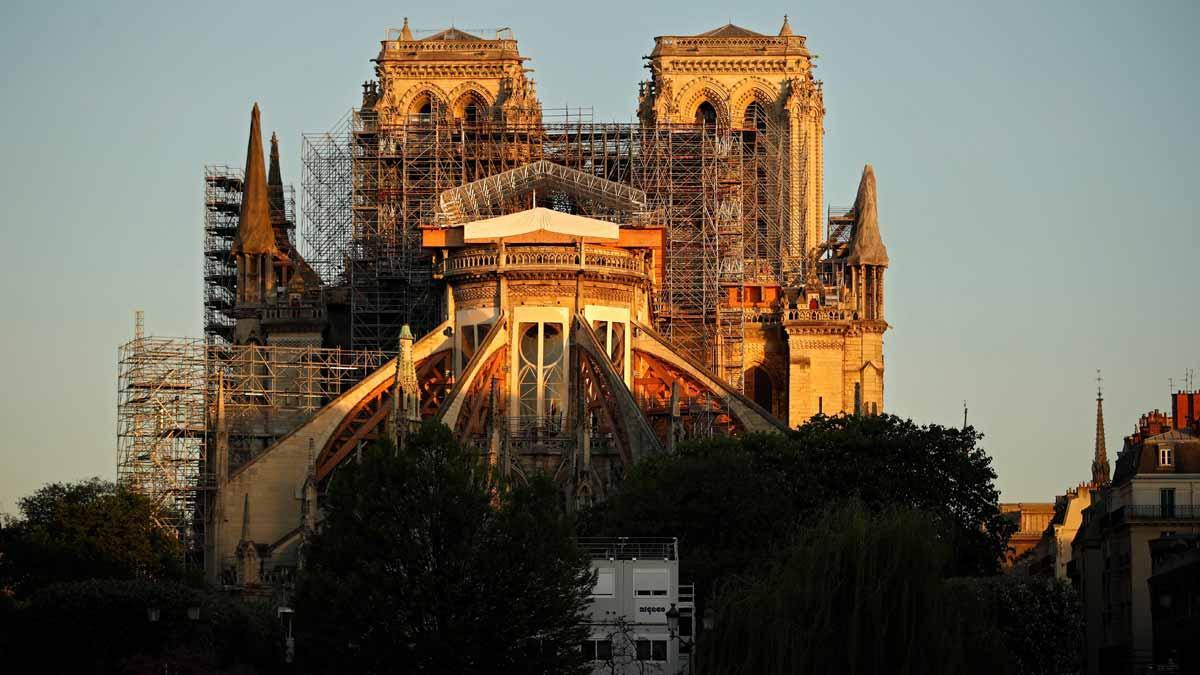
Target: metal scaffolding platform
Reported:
point(719, 192)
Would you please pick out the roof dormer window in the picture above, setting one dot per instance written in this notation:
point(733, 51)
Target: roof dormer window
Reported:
point(1166, 456)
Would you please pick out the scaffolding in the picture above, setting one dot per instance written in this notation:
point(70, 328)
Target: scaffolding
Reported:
point(258, 394)
point(161, 429)
point(189, 410)
point(222, 208)
point(720, 194)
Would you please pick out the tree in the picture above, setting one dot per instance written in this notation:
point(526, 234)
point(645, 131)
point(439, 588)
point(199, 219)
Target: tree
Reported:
point(730, 500)
point(884, 460)
point(1039, 619)
point(723, 498)
point(425, 562)
point(108, 627)
point(87, 530)
point(856, 592)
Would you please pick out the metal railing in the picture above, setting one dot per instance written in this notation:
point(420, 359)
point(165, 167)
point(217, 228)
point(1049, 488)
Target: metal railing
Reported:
point(1161, 512)
point(630, 548)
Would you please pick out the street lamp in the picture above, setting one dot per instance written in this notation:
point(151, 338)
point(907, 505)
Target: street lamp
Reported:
point(673, 621)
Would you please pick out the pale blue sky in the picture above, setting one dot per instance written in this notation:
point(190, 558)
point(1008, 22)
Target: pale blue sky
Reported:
point(1036, 164)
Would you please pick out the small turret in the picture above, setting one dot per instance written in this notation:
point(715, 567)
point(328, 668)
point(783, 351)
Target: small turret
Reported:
point(405, 32)
point(786, 29)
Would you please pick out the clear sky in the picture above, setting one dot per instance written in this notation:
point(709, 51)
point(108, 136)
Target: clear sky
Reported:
point(1036, 165)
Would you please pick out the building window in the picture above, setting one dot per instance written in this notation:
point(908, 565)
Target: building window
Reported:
point(472, 339)
point(541, 375)
point(1165, 456)
point(757, 384)
point(651, 583)
point(652, 650)
point(597, 650)
point(1166, 501)
point(612, 339)
point(605, 584)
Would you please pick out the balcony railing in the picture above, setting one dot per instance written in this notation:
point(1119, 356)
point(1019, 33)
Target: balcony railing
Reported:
point(1161, 512)
point(1132, 512)
point(630, 548)
point(477, 260)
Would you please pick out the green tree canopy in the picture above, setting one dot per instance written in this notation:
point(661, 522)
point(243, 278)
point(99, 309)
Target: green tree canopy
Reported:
point(87, 530)
point(426, 563)
point(855, 592)
point(731, 501)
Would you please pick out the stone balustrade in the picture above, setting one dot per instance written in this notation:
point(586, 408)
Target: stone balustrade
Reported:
point(490, 259)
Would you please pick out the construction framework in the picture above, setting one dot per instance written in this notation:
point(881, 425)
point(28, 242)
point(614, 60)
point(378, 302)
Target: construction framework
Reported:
point(190, 409)
point(720, 192)
point(222, 205)
point(161, 428)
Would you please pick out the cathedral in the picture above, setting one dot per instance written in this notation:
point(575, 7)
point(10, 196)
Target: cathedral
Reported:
point(569, 296)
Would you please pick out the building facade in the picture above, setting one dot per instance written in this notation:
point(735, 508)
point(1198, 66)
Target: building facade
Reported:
point(636, 595)
point(569, 296)
point(1154, 495)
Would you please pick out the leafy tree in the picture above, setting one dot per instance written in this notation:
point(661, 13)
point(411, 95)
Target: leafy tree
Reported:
point(85, 530)
point(1040, 620)
point(723, 498)
point(856, 592)
point(425, 562)
point(731, 500)
point(884, 460)
point(108, 628)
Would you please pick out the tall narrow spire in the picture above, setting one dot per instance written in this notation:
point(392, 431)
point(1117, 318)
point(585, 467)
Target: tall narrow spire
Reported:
point(1100, 461)
point(406, 33)
point(254, 226)
point(275, 184)
point(786, 29)
point(866, 246)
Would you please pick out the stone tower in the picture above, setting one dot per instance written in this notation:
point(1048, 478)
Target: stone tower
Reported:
point(277, 298)
point(812, 336)
point(728, 75)
point(452, 75)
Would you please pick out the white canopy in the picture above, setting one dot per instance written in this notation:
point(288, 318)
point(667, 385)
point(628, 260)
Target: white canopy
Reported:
point(535, 219)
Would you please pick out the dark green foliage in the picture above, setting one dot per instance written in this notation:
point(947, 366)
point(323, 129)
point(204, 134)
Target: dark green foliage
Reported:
point(86, 530)
point(1040, 620)
point(855, 593)
point(102, 626)
point(723, 498)
point(425, 563)
point(884, 460)
point(731, 500)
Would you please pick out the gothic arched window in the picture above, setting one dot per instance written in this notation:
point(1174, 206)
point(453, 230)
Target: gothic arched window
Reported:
point(759, 388)
point(755, 116)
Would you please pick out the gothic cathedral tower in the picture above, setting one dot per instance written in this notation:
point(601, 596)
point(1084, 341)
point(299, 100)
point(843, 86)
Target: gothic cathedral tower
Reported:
point(811, 340)
point(731, 75)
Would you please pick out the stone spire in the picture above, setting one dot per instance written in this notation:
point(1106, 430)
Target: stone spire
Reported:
point(275, 184)
point(255, 234)
point(405, 33)
point(1100, 461)
point(786, 29)
point(406, 401)
point(866, 246)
